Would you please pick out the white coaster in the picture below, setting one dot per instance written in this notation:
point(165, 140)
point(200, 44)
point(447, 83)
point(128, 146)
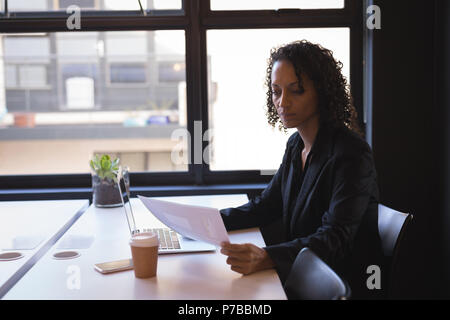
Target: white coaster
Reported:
point(8, 256)
point(64, 255)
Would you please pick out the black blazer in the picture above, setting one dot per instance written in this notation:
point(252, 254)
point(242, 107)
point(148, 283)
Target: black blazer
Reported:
point(334, 212)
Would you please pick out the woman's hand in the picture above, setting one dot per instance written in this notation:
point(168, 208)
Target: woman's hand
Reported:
point(246, 258)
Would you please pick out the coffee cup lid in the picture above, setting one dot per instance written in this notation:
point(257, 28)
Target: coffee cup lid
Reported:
point(144, 239)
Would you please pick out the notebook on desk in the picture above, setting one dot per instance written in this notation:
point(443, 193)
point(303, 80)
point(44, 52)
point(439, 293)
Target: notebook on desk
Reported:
point(169, 240)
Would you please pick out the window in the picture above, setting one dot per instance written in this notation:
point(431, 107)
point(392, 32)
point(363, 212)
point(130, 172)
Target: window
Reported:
point(32, 76)
point(85, 4)
point(78, 81)
point(76, 47)
point(252, 144)
point(102, 92)
point(177, 91)
point(117, 5)
point(127, 73)
point(26, 5)
point(270, 4)
point(11, 76)
point(24, 49)
point(171, 71)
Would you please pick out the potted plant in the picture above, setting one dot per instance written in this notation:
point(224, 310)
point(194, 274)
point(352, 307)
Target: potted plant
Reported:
point(105, 175)
point(24, 119)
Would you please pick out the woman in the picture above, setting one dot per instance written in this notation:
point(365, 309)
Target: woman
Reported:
point(325, 191)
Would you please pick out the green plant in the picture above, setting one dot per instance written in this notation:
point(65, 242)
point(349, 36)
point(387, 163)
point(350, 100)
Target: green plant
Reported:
point(165, 105)
point(105, 168)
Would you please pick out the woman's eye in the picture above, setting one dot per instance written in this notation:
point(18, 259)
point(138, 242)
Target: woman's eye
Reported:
point(298, 91)
point(276, 93)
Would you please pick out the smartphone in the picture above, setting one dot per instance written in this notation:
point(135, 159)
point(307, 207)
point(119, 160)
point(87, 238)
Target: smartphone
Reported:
point(114, 266)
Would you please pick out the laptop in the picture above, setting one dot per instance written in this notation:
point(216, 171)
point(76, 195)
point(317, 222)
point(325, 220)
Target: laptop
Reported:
point(169, 240)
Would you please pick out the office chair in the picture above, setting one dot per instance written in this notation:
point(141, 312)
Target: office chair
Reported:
point(392, 226)
point(312, 279)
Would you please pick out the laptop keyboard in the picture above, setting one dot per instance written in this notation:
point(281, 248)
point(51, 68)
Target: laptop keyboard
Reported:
point(168, 239)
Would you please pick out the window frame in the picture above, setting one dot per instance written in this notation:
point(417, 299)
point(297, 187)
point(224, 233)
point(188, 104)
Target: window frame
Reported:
point(350, 16)
point(195, 18)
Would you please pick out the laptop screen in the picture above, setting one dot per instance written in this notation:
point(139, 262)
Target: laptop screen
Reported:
point(125, 195)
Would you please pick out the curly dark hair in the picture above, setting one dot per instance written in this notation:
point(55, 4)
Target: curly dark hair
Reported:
point(335, 101)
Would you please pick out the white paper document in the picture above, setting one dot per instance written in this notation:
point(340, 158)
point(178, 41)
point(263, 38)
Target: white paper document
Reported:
point(196, 222)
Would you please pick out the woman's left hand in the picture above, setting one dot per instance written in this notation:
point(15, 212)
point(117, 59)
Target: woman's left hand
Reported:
point(246, 258)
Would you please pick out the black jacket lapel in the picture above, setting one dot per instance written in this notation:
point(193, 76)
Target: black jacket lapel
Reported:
point(288, 194)
point(320, 153)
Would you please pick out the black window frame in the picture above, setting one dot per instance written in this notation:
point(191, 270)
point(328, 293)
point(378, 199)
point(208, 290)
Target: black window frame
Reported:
point(195, 18)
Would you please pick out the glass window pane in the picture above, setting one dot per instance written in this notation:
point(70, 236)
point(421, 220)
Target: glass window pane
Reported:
point(132, 73)
point(45, 5)
point(11, 76)
point(146, 4)
point(27, 49)
point(32, 76)
point(126, 46)
point(84, 4)
point(171, 71)
point(273, 5)
point(92, 97)
point(27, 5)
point(83, 45)
point(242, 138)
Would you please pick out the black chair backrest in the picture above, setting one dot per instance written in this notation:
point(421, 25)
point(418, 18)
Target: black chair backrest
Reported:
point(312, 279)
point(391, 227)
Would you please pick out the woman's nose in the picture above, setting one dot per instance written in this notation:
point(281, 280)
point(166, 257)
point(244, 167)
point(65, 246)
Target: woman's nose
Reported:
point(284, 100)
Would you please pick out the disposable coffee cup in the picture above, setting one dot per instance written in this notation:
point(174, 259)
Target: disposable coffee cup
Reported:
point(144, 250)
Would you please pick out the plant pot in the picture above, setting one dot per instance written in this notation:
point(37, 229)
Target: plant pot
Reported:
point(24, 120)
point(105, 193)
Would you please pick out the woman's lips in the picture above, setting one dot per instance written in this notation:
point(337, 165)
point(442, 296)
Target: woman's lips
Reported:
point(287, 115)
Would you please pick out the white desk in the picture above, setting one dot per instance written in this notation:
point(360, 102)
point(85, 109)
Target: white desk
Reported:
point(46, 220)
point(180, 276)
